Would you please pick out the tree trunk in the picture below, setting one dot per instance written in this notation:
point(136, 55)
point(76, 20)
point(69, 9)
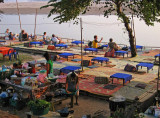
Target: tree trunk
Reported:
point(128, 28)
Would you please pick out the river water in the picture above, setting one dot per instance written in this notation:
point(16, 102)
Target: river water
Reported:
point(92, 25)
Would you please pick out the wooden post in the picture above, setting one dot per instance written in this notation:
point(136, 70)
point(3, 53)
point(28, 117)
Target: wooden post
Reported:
point(81, 44)
point(35, 24)
point(19, 15)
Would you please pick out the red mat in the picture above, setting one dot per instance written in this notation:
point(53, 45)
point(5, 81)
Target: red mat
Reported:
point(90, 86)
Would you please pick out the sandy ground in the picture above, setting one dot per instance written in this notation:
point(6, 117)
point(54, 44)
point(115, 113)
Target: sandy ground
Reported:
point(30, 8)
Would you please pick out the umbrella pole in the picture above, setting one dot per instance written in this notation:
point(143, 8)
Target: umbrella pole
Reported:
point(35, 24)
point(81, 44)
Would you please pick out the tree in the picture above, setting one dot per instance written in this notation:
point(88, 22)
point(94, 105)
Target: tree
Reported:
point(147, 10)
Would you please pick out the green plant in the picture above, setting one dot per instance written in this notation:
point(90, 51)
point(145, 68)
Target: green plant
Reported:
point(38, 104)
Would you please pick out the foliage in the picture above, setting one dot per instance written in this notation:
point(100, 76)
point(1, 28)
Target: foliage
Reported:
point(147, 10)
point(38, 104)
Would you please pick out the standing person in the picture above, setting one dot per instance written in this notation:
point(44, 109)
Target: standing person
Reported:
point(49, 64)
point(72, 86)
point(95, 42)
point(7, 34)
point(54, 40)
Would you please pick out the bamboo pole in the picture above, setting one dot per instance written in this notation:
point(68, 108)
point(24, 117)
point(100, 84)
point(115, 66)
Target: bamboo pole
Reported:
point(35, 24)
point(19, 15)
point(81, 44)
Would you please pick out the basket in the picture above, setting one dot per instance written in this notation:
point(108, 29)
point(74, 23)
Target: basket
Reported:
point(39, 111)
point(101, 80)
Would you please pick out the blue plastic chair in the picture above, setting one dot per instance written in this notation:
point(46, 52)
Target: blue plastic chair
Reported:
point(16, 53)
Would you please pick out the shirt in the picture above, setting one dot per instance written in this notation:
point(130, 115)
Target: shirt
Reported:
point(55, 40)
point(95, 44)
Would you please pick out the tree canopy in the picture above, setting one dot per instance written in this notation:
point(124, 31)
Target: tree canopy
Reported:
point(147, 10)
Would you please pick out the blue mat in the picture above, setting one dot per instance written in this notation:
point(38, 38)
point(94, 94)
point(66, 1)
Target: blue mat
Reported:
point(68, 69)
point(76, 60)
point(77, 42)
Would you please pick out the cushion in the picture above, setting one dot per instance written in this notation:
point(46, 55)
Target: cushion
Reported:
point(142, 86)
point(101, 80)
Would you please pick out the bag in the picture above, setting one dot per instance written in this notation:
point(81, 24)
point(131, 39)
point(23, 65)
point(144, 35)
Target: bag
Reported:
point(109, 53)
point(90, 44)
point(125, 48)
point(51, 47)
point(130, 68)
point(86, 63)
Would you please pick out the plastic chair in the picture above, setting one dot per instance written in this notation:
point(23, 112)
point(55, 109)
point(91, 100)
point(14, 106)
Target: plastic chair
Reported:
point(16, 53)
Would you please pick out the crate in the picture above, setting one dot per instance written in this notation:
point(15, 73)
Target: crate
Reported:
point(101, 80)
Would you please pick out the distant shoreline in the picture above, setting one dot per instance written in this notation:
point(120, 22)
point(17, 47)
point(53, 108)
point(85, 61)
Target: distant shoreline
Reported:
point(10, 8)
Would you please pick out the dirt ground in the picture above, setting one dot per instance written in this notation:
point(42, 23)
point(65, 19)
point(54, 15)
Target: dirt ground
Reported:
point(87, 106)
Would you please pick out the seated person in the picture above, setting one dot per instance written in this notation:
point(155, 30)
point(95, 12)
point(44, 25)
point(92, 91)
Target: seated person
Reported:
point(10, 36)
point(112, 45)
point(72, 85)
point(95, 42)
point(7, 34)
point(23, 36)
point(54, 40)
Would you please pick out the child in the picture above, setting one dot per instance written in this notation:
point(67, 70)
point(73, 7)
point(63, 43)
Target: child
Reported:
point(49, 64)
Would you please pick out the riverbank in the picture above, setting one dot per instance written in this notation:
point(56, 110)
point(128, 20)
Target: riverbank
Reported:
point(30, 8)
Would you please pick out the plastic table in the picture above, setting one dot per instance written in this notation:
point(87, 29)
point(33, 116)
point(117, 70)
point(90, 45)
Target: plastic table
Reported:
point(148, 65)
point(125, 77)
point(66, 55)
point(119, 52)
point(69, 69)
point(77, 42)
point(61, 45)
point(100, 59)
point(91, 49)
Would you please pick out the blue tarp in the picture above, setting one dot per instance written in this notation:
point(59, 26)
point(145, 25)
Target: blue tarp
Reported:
point(126, 77)
point(77, 42)
point(100, 59)
point(158, 55)
point(68, 69)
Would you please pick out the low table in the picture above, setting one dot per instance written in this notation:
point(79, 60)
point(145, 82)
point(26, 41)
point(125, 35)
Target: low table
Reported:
point(100, 59)
point(91, 49)
point(35, 43)
point(77, 42)
point(69, 69)
point(148, 65)
point(125, 77)
point(61, 45)
point(66, 55)
point(121, 53)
